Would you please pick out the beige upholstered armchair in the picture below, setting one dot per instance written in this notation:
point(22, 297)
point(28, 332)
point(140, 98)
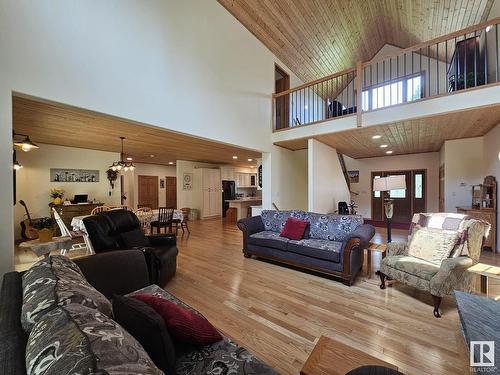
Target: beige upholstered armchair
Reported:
point(440, 249)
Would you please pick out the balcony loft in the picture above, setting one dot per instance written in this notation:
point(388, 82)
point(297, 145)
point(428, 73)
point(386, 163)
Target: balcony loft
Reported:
point(442, 89)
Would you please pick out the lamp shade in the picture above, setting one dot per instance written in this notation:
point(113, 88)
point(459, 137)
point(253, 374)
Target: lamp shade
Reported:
point(389, 183)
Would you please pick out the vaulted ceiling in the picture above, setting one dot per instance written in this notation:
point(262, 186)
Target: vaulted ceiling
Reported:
point(315, 38)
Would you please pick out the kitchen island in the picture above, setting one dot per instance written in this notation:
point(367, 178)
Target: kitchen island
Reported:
point(242, 205)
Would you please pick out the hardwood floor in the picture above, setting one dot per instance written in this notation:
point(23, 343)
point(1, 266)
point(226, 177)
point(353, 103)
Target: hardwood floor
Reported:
point(278, 313)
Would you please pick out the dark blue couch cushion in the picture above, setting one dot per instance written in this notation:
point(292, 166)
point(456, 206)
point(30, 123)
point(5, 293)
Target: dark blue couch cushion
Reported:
point(269, 239)
point(321, 249)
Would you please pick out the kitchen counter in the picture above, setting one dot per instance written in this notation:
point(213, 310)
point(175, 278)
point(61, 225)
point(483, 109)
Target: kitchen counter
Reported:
point(242, 205)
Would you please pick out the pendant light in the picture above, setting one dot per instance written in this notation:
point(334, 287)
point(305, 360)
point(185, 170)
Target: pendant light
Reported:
point(25, 144)
point(121, 164)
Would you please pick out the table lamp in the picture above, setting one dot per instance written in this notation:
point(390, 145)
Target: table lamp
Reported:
point(386, 184)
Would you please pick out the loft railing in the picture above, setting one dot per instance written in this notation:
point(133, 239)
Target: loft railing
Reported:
point(462, 60)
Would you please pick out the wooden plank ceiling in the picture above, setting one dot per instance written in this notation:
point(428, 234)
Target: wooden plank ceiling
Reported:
point(407, 137)
point(315, 38)
point(58, 124)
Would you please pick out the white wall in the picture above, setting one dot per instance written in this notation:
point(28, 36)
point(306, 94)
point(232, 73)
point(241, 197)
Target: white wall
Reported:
point(289, 178)
point(326, 182)
point(428, 161)
point(190, 67)
point(33, 180)
point(492, 162)
point(463, 167)
point(142, 169)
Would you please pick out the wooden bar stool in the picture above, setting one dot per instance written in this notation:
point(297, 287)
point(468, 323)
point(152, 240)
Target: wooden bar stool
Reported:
point(231, 215)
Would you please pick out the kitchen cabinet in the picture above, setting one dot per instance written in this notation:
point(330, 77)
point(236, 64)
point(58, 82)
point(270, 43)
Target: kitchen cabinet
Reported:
point(227, 174)
point(211, 192)
point(246, 179)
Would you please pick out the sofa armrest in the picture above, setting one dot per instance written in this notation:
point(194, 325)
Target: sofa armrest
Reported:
point(115, 272)
point(452, 275)
point(251, 225)
point(162, 239)
point(396, 248)
point(364, 233)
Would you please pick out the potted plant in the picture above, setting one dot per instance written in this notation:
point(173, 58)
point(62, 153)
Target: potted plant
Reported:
point(56, 194)
point(45, 228)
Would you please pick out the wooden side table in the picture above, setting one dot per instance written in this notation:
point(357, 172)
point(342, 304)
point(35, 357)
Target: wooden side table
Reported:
point(330, 357)
point(485, 271)
point(370, 249)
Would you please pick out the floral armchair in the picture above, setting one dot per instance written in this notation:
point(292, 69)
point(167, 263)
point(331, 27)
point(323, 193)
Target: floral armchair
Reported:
point(455, 240)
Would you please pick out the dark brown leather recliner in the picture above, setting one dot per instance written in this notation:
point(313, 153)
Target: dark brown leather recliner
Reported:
point(121, 230)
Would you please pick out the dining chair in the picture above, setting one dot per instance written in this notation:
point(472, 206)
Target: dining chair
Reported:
point(184, 222)
point(98, 209)
point(85, 245)
point(121, 207)
point(145, 216)
point(164, 220)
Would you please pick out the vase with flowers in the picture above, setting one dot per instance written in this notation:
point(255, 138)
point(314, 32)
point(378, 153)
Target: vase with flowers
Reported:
point(56, 194)
point(45, 228)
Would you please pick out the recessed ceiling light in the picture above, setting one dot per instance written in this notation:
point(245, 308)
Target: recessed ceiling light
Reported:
point(235, 157)
point(170, 163)
point(151, 156)
point(388, 152)
point(376, 136)
point(250, 159)
point(383, 146)
point(129, 159)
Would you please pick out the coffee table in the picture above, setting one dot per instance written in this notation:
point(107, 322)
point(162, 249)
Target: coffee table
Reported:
point(44, 248)
point(371, 248)
point(331, 357)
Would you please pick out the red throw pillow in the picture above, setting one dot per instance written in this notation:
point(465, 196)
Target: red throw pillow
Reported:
point(294, 229)
point(184, 325)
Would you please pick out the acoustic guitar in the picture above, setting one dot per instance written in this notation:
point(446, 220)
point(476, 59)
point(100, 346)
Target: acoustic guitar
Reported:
point(27, 230)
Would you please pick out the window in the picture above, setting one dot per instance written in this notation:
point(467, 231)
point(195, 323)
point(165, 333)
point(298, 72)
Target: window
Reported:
point(418, 186)
point(376, 194)
point(396, 92)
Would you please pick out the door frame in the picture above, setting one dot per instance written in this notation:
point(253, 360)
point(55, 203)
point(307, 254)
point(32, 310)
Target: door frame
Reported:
point(373, 173)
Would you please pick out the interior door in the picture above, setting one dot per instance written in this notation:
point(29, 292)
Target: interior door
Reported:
point(171, 191)
point(148, 191)
point(282, 83)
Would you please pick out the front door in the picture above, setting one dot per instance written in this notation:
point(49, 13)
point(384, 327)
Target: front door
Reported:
point(406, 201)
point(171, 191)
point(147, 191)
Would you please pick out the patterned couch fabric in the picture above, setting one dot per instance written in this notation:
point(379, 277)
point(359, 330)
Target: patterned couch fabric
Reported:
point(321, 249)
point(275, 220)
point(75, 339)
point(332, 227)
point(223, 357)
point(269, 239)
point(57, 281)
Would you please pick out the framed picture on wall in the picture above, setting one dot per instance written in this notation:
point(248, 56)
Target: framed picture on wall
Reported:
point(73, 175)
point(353, 176)
point(162, 183)
point(187, 181)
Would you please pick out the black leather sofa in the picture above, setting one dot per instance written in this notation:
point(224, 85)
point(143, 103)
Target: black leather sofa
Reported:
point(121, 230)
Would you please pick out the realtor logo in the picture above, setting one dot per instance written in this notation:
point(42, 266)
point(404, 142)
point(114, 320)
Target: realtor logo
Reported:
point(482, 353)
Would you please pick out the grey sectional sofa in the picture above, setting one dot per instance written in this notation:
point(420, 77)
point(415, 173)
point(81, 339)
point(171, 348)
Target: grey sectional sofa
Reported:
point(332, 244)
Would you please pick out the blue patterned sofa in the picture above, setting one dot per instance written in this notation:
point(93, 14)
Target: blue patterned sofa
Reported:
point(332, 244)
